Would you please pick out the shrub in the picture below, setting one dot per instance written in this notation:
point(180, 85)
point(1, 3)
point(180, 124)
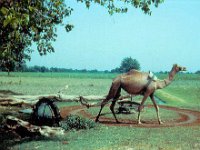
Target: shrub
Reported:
point(77, 122)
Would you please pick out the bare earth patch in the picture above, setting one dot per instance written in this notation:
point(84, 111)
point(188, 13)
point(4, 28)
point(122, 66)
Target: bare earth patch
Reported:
point(186, 118)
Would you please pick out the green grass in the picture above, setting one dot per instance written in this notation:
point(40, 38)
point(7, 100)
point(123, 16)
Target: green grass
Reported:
point(61, 75)
point(35, 85)
point(107, 138)
point(182, 93)
point(138, 138)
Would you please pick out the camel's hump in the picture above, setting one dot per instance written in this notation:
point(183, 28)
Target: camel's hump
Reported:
point(132, 71)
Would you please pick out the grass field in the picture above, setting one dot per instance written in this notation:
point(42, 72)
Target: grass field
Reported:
point(182, 93)
point(46, 83)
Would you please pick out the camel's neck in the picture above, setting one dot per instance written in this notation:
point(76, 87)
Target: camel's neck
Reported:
point(163, 83)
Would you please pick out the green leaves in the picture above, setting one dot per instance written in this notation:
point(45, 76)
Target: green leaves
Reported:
point(136, 3)
point(4, 11)
point(77, 123)
point(121, 6)
point(31, 9)
point(25, 19)
point(69, 27)
point(14, 18)
point(23, 23)
point(6, 21)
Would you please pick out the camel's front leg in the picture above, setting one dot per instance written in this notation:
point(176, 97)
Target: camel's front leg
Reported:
point(156, 107)
point(139, 122)
point(141, 107)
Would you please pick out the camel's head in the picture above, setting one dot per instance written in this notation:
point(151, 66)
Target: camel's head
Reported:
point(179, 68)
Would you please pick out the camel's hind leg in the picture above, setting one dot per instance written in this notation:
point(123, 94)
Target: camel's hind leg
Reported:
point(117, 95)
point(102, 105)
point(114, 94)
point(112, 109)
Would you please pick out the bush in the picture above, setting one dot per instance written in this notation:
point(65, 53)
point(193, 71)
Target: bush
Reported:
point(77, 122)
point(127, 64)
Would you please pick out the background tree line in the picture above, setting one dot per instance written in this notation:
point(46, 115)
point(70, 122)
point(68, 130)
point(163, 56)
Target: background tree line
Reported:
point(126, 64)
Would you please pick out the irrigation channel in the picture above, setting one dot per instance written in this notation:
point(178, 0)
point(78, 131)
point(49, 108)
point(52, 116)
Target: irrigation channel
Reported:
point(186, 117)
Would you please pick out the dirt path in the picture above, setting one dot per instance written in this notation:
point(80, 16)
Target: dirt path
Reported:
point(186, 118)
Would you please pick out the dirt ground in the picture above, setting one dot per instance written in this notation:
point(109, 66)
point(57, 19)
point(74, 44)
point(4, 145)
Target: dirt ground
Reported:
point(186, 118)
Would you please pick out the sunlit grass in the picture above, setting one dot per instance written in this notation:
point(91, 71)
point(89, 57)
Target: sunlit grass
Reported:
point(40, 85)
point(183, 92)
point(120, 138)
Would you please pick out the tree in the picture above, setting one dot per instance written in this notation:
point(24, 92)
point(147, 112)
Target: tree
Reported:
point(7, 65)
point(127, 64)
point(44, 69)
point(115, 70)
point(24, 22)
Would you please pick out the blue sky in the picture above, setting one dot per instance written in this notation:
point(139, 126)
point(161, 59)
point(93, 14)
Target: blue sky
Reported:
point(100, 41)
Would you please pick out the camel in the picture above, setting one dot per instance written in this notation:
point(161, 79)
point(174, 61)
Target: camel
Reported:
point(138, 83)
